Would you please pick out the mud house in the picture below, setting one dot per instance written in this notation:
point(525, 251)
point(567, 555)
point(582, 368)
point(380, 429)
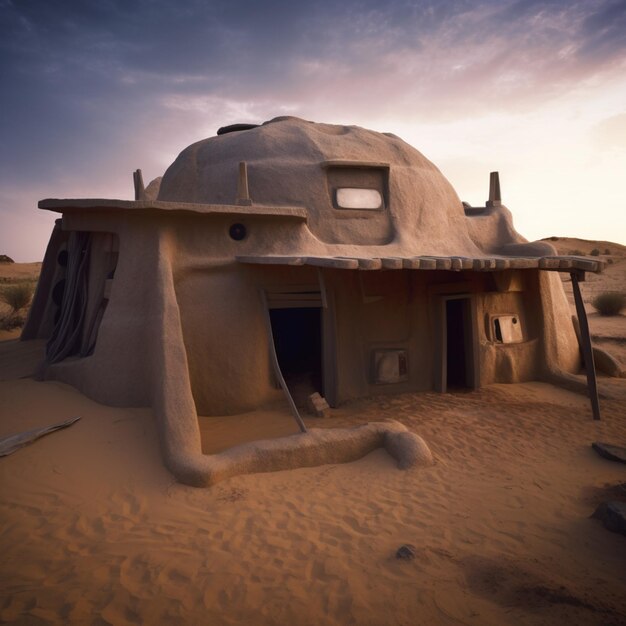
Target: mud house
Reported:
point(340, 251)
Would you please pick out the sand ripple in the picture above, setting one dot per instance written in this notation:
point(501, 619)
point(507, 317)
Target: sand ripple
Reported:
point(95, 531)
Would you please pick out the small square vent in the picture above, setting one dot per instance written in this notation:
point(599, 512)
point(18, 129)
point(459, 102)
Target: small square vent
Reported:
point(507, 329)
point(390, 366)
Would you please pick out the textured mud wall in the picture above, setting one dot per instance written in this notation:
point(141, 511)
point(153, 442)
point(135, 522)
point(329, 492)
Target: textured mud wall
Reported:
point(184, 328)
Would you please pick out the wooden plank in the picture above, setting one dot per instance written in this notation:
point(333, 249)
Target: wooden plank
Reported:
point(271, 260)
point(456, 264)
point(587, 265)
point(276, 365)
point(523, 263)
point(334, 262)
point(296, 297)
point(295, 304)
point(369, 264)
point(412, 263)
point(502, 264)
point(392, 263)
point(549, 263)
point(590, 366)
point(427, 263)
point(441, 263)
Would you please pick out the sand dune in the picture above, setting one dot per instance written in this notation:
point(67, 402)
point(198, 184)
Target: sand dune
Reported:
point(95, 530)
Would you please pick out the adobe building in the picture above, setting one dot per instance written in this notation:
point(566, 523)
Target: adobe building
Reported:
point(295, 254)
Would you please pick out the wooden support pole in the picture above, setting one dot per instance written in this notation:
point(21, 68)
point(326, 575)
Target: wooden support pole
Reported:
point(276, 365)
point(140, 191)
point(590, 367)
point(243, 193)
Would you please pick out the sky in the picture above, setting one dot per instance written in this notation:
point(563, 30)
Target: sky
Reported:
point(92, 90)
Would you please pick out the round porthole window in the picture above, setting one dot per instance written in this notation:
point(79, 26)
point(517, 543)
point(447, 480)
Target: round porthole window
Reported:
point(237, 232)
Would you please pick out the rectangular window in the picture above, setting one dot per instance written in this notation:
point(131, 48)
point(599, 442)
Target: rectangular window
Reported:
point(355, 198)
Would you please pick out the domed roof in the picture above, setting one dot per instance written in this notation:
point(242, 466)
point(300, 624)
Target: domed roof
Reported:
point(294, 162)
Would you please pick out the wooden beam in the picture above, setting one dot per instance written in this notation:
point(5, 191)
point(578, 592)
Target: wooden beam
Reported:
point(412, 263)
point(392, 263)
point(427, 263)
point(243, 193)
point(341, 263)
point(276, 365)
point(495, 198)
point(271, 260)
point(140, 191)
point(369, 264)
point(590, 367)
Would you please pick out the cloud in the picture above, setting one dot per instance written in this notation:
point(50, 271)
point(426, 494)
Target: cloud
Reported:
point(94, 89)
point(75, 70)
point(610, 133)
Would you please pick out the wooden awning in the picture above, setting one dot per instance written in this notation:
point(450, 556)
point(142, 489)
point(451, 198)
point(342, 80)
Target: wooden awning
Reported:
point(454, 263)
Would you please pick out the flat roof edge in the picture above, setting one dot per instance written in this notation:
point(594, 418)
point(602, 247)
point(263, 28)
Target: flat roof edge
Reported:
point(76, 205)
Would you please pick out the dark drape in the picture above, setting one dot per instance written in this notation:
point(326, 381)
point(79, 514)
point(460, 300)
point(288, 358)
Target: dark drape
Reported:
point(67, 334)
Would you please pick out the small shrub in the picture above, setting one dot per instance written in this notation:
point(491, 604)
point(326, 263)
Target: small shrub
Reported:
point(609, 303)
point(609, 261)
point(17, 296)
point(554, 238)
point(10, 322)
point(6, 259)
point(607, 251)
point(577, 252)
point(595, 252)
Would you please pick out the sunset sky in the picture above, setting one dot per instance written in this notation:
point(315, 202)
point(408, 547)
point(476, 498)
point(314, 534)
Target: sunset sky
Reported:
point(534, 89)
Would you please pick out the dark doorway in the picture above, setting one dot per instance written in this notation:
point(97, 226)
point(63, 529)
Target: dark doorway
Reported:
point(298, 341)
point(458, 343)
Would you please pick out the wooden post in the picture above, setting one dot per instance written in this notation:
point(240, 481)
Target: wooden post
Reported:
point(590, 366)
point(276, 365)
point(140, 191)
point(495, 199)
point(243, 193)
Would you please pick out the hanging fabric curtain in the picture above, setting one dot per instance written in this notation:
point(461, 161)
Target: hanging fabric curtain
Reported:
point(66, 336)
point(102, 264)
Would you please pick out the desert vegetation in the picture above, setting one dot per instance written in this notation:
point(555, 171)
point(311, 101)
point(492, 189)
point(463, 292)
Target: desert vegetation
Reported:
point(609, 303)
point(17, 286)
point(16, 298)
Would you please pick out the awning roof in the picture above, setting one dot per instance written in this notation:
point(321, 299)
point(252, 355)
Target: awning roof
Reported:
point(455, 263)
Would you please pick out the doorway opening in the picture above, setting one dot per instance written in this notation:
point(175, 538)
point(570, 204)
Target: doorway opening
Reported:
point(458, 371)
point(298, 341)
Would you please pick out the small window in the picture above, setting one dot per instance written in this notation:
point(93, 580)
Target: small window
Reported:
point(390, 366)
point(355, 198)
point(506, 329)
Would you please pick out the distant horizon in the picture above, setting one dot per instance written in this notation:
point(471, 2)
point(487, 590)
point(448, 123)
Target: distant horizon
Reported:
point(535, 90)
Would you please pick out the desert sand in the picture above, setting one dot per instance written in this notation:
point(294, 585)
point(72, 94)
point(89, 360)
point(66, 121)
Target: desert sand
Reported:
point(96, 531)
